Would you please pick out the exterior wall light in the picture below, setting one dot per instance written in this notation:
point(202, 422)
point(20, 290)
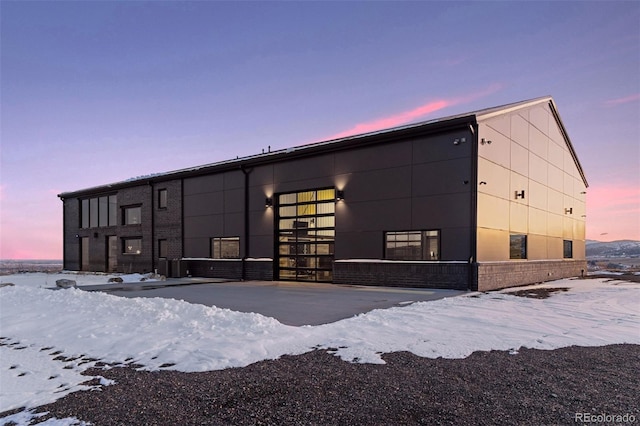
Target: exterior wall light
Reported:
point(568, 211)
point(485, 141)
point(339, 195)
point(268, 202)
point(520, 194)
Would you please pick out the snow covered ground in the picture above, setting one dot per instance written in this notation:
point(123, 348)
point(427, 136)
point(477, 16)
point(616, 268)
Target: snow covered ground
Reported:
point(38, 325)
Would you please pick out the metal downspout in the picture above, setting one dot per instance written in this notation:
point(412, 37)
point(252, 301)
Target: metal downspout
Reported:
point(64, 235)
point(473, 259)
point(246, 221)
point(153, 229)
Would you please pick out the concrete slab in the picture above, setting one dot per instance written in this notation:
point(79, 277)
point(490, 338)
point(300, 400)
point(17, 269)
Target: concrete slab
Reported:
point(291, 303)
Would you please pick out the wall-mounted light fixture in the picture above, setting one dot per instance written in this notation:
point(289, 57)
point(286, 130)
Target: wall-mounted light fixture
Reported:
point(568, 210)
point(485, 141)
point(482, 183)
point(268, 202)
point(583, 192)
point(339, 195)
point(520, 194)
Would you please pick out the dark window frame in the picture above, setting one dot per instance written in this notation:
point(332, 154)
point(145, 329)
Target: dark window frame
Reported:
point(219, 252)
point(162, 247)
point(163, 198)
point(130, 251)
point(420, 238)
point(99, 212)
point(567, 249)
point(518, 246)
point(126, 219)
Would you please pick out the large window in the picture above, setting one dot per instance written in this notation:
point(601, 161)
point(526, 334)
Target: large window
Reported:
point(225, 247)
point(132, 245)
point(132, 215)
point(567, 249)
point(517, 246)
point(412, 245)
point(98, 211)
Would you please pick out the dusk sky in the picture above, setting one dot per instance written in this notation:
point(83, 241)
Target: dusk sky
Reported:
point(99, 92)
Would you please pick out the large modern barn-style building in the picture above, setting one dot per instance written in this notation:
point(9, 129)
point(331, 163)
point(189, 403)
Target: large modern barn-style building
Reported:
point(484, 200)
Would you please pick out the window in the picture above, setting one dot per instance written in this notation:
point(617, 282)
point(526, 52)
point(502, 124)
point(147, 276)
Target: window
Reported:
point(162, 198)
point(113, 210)
point(132, 215)
point(517, 246)
point(225, 247)
point(132, 245)
point(162, 249)
point(103, 211)
point(412, 245)
point(93, 212)
point(98, 212)
point(84, 213)
point(567, 249)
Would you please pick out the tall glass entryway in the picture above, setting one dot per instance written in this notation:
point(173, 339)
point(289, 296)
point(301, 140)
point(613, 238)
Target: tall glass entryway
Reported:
point(306, 235)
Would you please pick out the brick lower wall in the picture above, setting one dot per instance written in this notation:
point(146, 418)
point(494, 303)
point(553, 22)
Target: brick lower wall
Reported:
point(497, 275)
point(255, 269)
point(448, 275)
point(259, 269)
point(443, 275)
point(228, 269)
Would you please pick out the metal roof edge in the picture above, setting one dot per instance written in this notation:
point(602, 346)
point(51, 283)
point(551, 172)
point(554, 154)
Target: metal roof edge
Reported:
point(565, 135)
point(364, 139)
point(331, 145)
point(507, 108)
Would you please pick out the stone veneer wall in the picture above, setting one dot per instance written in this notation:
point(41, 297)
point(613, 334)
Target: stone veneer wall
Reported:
point(446, 275)
point(497, 275)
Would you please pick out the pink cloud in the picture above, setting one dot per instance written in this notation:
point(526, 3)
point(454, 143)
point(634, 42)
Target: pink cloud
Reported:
point(419, 112)
point(613, 212)
point(620, 101)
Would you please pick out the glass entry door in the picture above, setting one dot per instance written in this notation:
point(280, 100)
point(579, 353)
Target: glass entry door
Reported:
point(306, 235)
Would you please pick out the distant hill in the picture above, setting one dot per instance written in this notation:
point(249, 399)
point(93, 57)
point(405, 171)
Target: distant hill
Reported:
point(621, 248)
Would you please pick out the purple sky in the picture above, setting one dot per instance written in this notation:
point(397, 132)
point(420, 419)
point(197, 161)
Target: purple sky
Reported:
point(98, 92)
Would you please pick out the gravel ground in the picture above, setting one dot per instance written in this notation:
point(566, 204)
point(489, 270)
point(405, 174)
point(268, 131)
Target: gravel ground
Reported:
point(532, 387)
